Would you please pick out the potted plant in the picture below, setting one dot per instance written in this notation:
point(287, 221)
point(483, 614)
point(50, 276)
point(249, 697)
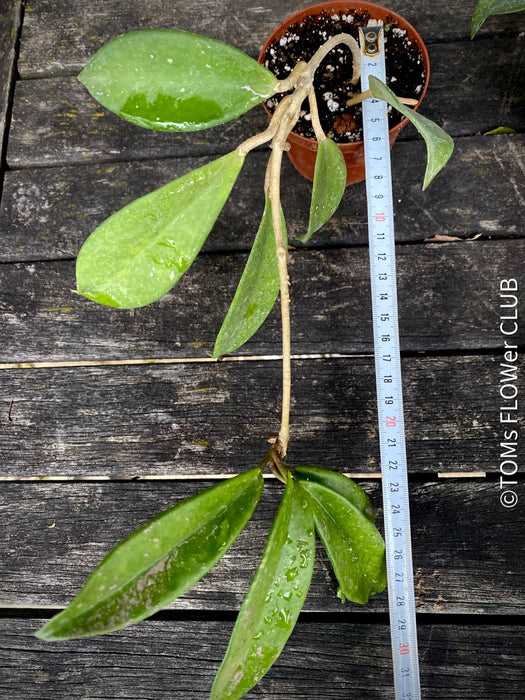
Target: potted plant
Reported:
point(408, 73)
point(176, 81)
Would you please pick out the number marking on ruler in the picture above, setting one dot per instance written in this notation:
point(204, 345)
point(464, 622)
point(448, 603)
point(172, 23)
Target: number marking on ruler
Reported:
point(388, 374)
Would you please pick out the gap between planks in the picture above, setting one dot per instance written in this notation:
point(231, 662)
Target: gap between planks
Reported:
point(173, 360)
point(214, 477)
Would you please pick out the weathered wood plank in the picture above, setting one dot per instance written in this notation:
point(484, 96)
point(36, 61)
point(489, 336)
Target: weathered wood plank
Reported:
point(178, 659)
point(187, 419)
point(56, 121)
point(10, 16)
point(47, 214)
point(448, 296)
point(466, 545)
point(58, 38)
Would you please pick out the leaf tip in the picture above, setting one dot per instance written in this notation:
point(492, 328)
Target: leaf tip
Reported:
point(45, 633)
point(218, 352)
point(81, 77)
point(306, 237)
point(341, 596)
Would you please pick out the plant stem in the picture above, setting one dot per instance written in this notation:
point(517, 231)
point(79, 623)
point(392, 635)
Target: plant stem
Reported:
point(279, 145)
point(267, 134)
point(314, 114)
point(334, 41)
point(283, 121)
point(284, 284)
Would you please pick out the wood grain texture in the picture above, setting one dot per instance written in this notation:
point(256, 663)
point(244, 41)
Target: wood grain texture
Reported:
point(466, 546)
point(56, 121)
point(59, 38)
point(160, 659)
point(47, 214)
point(69, 165)
point(191, 419)
point(10, 17)
point(448, 300)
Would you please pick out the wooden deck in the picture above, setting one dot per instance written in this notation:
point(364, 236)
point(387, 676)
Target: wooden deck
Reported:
point(107, 417)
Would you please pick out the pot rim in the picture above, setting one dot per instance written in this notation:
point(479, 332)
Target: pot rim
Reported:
point(347, 6)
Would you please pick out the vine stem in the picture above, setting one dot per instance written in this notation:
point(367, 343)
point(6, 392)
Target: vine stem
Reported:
point(284, 284)
point(284, 119)
point(279, 145)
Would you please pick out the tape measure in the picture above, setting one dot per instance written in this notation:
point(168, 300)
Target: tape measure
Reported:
point(388, 373)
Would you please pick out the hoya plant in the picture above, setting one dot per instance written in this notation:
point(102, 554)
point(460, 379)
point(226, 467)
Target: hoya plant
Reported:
point(176, 81)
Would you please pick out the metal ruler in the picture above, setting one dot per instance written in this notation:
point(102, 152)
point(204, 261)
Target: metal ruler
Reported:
point(388, 374)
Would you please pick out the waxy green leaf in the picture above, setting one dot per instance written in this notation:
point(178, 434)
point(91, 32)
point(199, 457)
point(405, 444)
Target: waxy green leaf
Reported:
point(439, 144)
point(485, 8)
point(274, 601)
point(354, 545)
point(170, 80)
point(139, 253)
point(160, 561)
point(257, 290)
point(339, 483)
point(328, 186)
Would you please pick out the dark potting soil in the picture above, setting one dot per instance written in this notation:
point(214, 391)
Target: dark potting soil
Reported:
point(404, 69)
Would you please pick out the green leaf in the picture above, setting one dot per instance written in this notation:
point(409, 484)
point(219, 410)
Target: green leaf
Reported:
point(328, 186)
point(439, 144)
point(160, 561)
point(339, 483)
point(274, 601)
point(170, 80)
point(500, 130)
point(140, 252)
point(257, 290)
point(354, 545)
point(485, 8)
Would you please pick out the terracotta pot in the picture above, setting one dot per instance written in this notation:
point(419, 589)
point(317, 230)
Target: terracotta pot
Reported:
point(303, 150)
